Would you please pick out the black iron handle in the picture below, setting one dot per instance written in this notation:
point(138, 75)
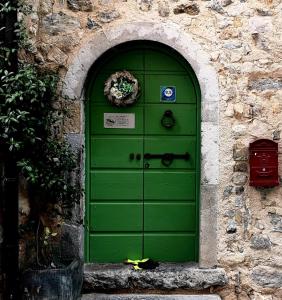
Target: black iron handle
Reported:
point(168, 120)
point(167, 158)
point(167, 155)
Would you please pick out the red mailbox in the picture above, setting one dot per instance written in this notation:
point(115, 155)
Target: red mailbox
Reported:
point(263, 158)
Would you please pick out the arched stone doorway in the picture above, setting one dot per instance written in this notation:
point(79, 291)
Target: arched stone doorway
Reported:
point(171, 35)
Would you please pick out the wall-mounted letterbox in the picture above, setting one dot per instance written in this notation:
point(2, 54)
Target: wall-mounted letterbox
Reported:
point(263, 158)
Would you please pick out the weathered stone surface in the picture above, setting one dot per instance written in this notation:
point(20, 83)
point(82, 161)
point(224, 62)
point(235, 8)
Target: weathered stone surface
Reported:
point(263, 12)
point(227, 191)
point(167, 276)
point(239, 130)
point(145, 5)
point(259, 241)
point(190, 9)
point(72, 122)
point(231, 226)
point(229, 213)
point(225, 3)
point(45, 7)
point(265, 84)
point(76, 143)
point(276, 135)
point(59, 23)
point(238, 110)
point(216, 6)
point(276, 221)
point(71, 241)
point(82, 5)
point(57, 55)
point(267, 277)
point(260, 24)
point(92, 24)
point(240, 167)
point(239, 178)
point(148, 297)
point(239, 190)
point(240, 201)
point(108, 16)
point(163, 8)
point(240, 152)
point(233, 259)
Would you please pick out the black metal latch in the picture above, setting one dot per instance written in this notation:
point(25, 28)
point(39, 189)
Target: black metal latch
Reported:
point(167, 158)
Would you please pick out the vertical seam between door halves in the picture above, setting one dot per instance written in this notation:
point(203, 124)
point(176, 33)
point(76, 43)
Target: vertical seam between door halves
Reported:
point(142, 159)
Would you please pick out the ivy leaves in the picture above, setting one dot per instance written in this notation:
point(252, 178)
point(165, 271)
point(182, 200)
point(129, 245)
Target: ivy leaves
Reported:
point(28, 120)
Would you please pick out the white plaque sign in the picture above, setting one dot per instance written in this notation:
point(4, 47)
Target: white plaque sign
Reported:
point(115, 120)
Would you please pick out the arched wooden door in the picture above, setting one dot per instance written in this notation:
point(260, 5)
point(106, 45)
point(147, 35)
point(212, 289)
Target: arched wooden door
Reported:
point(138, 204)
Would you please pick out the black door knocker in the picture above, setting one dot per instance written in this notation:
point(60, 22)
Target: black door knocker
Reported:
point(168, 120)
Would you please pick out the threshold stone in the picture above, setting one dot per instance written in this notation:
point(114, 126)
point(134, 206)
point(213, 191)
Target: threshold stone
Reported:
point(148, 297)
point(168, 276)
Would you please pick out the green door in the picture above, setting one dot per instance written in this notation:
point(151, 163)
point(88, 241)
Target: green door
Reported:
point(143, 205)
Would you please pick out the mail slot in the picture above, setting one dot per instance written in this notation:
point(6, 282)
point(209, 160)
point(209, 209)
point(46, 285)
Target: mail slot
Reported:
point(263, 158)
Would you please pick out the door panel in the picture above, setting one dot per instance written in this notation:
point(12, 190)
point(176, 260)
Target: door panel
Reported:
point(127, 217)
point(97, 121)
point(185, 92)
point(158, 61)
point(169, 216)
point(169, 185)
point(184, 115)
point(98, 86)
point(114, 152)
point(115, 247)
point(171, 144)
point(170, 247)
point(116, 185)
point(130, 60)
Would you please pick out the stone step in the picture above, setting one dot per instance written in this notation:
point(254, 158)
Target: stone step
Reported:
point(168, 276)
point(147, 297)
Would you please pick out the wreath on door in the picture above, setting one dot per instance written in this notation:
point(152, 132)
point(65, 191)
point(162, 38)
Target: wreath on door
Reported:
point(122, 89)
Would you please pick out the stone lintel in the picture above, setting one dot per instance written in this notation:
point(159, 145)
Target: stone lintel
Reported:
point(168, 276)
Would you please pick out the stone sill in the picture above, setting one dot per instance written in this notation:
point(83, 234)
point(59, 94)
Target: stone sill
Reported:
point(168, 276)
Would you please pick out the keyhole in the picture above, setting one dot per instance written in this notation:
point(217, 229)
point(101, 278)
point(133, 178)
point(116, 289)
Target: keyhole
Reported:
point(147, 165)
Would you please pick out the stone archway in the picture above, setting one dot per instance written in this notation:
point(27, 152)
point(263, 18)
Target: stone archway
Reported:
point(174, 36)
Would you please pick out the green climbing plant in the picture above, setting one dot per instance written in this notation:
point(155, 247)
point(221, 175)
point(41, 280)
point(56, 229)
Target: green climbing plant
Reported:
point(30, 120)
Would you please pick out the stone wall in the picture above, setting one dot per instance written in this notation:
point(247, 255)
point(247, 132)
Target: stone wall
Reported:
point(243, 39)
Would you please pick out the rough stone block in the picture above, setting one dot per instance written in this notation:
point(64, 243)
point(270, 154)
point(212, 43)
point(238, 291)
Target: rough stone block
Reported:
point(167, 276)
point(239, 178)
point(145, 5)
point(82, 5)
point(107, 16)
point(231, 227)
point(59, 23)
point(260, 241)
point(72, 122)
point(240, 152)
point(190, 9)
point(239, 190)
point(265, 84)
point(267, 277)
point(240, 167)
point(276, 221)
point(71, 241)
point(163, 8)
